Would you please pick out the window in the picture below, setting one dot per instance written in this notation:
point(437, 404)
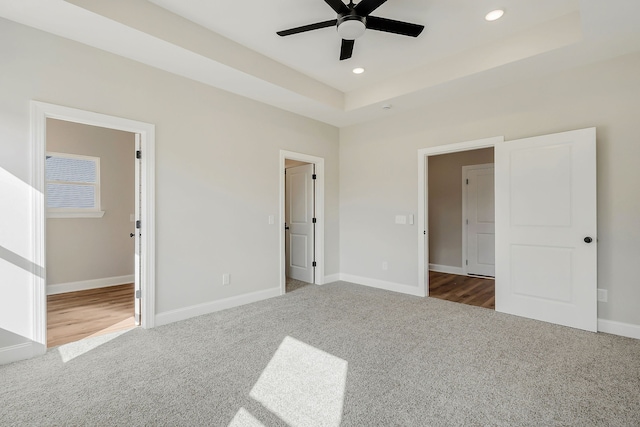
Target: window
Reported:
point(73, 186)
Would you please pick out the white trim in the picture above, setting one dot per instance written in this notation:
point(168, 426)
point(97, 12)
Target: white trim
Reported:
point(61, 288)
point(448, 269)
point(381, 284)
point(319, 236)
point(20, 351)
point(74, 214)
point(465, 172)
point(40, 111)
point(423, 196)
point(213, 306)
point(331, 278)
point(618, 328)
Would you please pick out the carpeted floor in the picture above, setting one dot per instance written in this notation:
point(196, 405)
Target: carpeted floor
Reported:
point(339, 354)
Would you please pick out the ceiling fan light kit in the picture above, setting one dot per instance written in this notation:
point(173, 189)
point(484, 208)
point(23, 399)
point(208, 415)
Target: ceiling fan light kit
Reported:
point(353, 20)
point(351, 27)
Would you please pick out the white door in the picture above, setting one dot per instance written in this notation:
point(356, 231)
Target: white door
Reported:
point(479, 220)
point(136, 233)
point(299, 217)
point(546, 228)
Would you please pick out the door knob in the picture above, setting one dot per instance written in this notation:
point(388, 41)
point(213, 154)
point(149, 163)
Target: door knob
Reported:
point(131, 234)
point(588, 239)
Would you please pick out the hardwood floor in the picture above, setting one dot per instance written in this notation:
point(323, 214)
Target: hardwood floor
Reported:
point(463, 289)
point(76, 315)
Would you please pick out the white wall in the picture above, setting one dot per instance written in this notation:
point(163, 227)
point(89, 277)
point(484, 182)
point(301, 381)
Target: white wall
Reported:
point(217, 169)
point(80, 249)
point(378, 169)
point(445, 204)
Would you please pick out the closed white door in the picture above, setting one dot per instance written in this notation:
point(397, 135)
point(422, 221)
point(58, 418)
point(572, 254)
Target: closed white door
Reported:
point(480, 220)
point(299, 217)
point(546, 228)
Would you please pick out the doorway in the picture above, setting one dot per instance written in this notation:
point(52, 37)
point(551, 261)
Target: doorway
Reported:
point(90, 235)
point(461, 227)
point(144, 216)
point(301, 220)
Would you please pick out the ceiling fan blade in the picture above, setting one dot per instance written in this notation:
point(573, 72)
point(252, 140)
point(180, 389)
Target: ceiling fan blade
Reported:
point(309, 27)
point(347, 49)
point(365, 7)
point(338, 6)
point(392, 26)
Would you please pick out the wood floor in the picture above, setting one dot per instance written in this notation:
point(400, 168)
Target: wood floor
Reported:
point(75, 315)
point(463, 289)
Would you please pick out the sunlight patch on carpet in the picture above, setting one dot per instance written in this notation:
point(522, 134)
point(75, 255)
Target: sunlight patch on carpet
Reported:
point(244, 419)
point(78, 348)
point(302, 385)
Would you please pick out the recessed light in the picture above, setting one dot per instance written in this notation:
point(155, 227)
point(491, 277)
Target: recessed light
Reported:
point(358, 70)
point(494, 15)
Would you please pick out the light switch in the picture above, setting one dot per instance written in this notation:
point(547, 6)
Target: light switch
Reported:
point(401, 219)
point(411, 219)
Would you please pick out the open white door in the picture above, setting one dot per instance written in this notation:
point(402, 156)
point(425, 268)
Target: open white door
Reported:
point(136, 234)
point(546, 228)
point(479, 218)
point(299, 218)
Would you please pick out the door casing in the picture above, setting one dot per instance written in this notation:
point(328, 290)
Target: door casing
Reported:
point(40, 112)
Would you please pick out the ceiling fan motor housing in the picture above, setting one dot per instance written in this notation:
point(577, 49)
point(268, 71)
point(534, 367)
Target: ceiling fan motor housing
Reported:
point(351, 26)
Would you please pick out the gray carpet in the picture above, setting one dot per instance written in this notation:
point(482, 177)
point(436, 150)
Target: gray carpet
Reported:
point(339, 354)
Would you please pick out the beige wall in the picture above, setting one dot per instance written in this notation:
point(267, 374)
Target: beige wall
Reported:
point(379, 169)
point(445, 204)
point(217, 170)
point(81, 249)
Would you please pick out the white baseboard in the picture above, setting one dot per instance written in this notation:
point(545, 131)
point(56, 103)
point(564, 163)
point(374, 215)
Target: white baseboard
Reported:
point(331, 278)
point(619, 328)
point(83, 285)
point(213, 306)
point(22, 351)
point(381, 284)
point(446, 269)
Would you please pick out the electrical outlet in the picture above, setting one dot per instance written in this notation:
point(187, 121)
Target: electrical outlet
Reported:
point(385, 265)
point(602, 295)
point(271, 220)
point(226, 279)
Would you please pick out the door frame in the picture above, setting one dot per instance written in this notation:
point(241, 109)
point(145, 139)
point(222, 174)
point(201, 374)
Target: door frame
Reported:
point(319, 206)
point(423, 197)
point(40, 112)
point(465, 171)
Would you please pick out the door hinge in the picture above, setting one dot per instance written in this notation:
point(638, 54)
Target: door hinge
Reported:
point(138, 224)
point(467, 182)
point(467, 262)
point(313, 220)
point(138, 154)
point(314, 264)
point(467, 222)
point(137, 293)
point(313, 176)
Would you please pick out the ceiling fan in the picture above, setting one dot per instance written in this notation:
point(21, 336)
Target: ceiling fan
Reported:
point(353, 20)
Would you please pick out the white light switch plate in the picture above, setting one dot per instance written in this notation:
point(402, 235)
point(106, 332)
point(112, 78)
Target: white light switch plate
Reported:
point(401, 219)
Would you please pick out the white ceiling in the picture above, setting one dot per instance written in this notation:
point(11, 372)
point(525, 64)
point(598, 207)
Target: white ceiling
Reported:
point(451, 26)
point(232, 45)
